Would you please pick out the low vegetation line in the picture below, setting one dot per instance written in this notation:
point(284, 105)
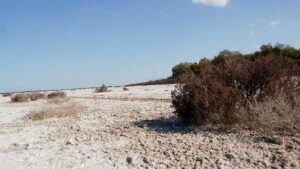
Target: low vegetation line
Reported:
point(125, 98)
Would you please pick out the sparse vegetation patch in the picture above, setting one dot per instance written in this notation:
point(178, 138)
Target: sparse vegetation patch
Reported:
point(6, 94)
point(70, 110)
point(36, 96)
point(20, 97)
point(57, 94)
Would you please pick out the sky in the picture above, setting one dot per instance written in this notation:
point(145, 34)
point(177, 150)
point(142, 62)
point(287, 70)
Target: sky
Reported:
point(54, 44)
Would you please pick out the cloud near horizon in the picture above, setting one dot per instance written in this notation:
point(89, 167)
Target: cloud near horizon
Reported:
point(274, 23)
point(217, 3)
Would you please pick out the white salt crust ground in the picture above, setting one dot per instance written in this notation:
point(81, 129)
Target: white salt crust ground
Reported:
point(129, 129)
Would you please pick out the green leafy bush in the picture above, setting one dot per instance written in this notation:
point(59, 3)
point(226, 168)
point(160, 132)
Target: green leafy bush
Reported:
point(183, 68)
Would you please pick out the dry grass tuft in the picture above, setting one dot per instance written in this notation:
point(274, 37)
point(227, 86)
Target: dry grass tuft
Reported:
point(70, 110)
point(276, 113)
point(57, 94)
point(58, 100)
point(21, 97)
point(36, 96)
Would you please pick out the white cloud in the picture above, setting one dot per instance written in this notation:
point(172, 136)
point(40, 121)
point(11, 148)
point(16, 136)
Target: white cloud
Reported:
point(274, 23)
point(218, 3)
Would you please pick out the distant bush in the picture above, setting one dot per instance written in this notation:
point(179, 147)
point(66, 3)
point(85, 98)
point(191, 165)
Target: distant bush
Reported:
point(36, 96)
point(220, 88)
point(169, 80)
point(6, 94)
point(280, 50)
point(103, 88)
point(57, 94)
point(21, 97)
point(125, 88)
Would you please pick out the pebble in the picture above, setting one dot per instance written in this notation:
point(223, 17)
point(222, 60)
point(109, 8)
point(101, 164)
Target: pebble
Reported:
point(129, 160)
point(229, 156)
point(145, 160)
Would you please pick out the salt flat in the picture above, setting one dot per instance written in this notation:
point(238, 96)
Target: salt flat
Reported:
point(128, 129)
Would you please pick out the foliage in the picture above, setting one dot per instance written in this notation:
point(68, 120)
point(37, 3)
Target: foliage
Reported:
point(218, 89)
point(184, 68)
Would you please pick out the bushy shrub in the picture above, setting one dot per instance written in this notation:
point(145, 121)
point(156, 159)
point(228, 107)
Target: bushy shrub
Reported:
point(36, 96)
point(103, 88)
point(57, 94)
point(205, 98)
point(21, 97)
point(219, 89)
point(125, 88)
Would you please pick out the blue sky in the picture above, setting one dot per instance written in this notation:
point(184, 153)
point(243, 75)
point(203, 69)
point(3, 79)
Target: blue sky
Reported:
point(46, 44)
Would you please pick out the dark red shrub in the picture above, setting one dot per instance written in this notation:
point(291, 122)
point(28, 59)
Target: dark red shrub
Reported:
point(205, 98)
point(215, 92)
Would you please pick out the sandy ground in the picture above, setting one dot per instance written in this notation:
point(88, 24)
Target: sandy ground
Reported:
point(129, 129)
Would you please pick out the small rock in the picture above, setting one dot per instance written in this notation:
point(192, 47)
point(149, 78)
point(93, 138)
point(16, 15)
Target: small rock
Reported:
point(230, 156)
point(129, 160)
point(75, 127)
point(145, 160)
point(296, 140)
point(273, 140)
point(70, 142)
point(26, 146)
point(289, 146)
point(199, 160)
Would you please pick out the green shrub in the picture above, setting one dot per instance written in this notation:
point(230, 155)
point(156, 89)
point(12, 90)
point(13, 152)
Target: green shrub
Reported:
point(183, 68)
point(280, 50)
point(225, 55)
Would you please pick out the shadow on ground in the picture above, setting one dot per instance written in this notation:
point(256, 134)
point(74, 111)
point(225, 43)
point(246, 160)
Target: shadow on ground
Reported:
point(164, 125)
point(173, 124)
